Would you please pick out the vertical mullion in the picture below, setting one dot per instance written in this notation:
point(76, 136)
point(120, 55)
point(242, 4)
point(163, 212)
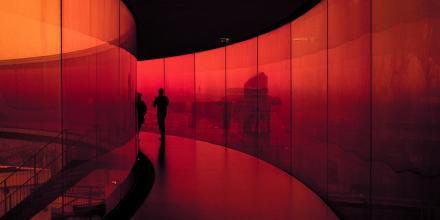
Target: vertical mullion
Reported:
point(371, 114)
point(258, 101)
point(225, 115)
point(327, 100)
point(291, 98)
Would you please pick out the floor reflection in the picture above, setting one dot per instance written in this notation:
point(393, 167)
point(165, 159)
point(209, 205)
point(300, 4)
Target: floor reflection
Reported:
point(161, 156)
point(199, 180)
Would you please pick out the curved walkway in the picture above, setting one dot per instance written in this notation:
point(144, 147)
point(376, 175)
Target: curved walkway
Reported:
point(200, 180)
point(139, 183)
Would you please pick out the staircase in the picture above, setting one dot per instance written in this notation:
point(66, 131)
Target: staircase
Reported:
point(42, 177)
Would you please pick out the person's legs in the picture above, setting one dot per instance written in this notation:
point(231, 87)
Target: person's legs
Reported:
point(139, 131)
point(162, 127)
point(161, 123)
point(139, 124)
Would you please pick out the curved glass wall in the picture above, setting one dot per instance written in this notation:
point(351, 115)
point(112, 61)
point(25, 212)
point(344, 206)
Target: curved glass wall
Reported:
point(67, 102)
point(345, 98)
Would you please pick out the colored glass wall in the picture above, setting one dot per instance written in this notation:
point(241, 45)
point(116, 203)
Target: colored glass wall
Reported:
point(344, 97)
point(274, 97)
point(242, 97)
point(153, 73)
point(210, 95)
point(179, 84)
point(349, 111)
point(309, 98)
point(405, 107)
point(68, 73)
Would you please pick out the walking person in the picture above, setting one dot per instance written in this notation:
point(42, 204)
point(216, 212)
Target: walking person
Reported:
point(161, 103)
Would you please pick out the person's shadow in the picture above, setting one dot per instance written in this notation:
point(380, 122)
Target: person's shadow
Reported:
point(161, 156)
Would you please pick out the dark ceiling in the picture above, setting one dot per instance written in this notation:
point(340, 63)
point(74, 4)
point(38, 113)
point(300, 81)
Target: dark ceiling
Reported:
point(175, 27)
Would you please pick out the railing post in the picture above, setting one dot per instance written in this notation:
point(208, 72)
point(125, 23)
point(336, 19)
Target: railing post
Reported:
point(66, 149)
point(35, 172)
point(90, 196)
point(10, 203)
point(63, 138)
point(62, 148)
point(97, 142)
point(5, 191)
point(62, 204)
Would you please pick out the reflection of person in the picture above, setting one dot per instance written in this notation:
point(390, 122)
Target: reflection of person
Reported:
point(264, 107)
point(142, 110)
point(161, 102)
point(256, 93)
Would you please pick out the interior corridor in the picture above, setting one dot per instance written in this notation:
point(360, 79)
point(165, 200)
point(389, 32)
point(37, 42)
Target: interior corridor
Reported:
point(200, 180)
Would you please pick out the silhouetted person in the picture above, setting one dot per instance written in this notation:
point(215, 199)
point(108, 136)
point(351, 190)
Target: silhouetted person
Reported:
point(161, 102)
point(142, 110)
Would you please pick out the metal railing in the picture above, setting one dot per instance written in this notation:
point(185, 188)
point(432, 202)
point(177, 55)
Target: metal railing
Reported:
point(34, 171)
point(50, 159)
point(79, 201)
point(37, 169)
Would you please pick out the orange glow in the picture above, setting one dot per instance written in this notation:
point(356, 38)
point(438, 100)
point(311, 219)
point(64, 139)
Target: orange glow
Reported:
point(75, 78)
point(29, 28)
point(88, 24)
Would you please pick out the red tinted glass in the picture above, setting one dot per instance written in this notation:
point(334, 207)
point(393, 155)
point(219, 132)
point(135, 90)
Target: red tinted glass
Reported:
point(210, 95)
point(242, 96)
point(274, 92)
point(179, 87)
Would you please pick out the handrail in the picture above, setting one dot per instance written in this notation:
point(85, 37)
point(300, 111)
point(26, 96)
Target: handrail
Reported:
point(24, 186)
point(32, 177)
point(52, 157)
point(29, 159)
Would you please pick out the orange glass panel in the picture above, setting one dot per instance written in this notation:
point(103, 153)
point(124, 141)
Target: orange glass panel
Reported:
point(127, 29)
point(90, 97)
point(30, 66)
point(29, 29)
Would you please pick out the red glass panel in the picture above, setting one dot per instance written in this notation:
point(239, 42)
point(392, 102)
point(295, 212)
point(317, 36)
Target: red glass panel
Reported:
point(274, 91)
point(309, 97)
point(179, 87)
point(150, 78)
point(242, 96)
point(406, 123)
point(210, 95)
point(349, 83)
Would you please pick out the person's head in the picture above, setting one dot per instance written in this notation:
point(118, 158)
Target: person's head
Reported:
point(139, 95)
point(161, 91)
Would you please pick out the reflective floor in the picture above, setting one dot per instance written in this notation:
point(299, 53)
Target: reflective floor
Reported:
point(199, 180)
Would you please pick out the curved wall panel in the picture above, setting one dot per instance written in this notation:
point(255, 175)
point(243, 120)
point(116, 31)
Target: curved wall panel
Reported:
point(68, 70)
point(242, 97)
point(344, 97)
point(210, 96)
point(179, 83)
point(405, 106)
